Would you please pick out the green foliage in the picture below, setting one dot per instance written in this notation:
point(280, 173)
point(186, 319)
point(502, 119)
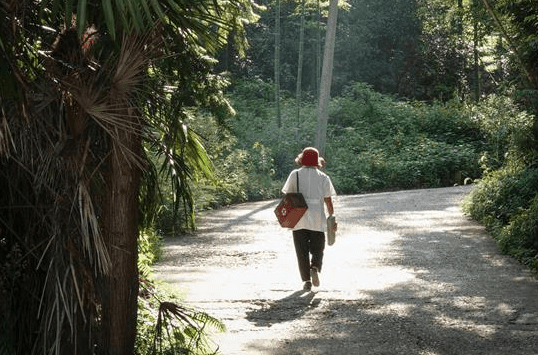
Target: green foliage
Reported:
point(377, 143)
point(79, 111)
point(507, 128)
point(420, 50)
point(256, 122)
point(242, 172)
point(520, 18)
point(374, 143)
point(166, 327)
point(376, 43)
point(520, 237)
point(149, 251)
point(506, 201)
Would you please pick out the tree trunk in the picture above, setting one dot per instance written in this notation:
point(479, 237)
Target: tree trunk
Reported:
point(120, 231)
point(476, 60)
point(326, 77)
point(277, 63)
point(318, 50)
point(300, 69)
point(460, 52)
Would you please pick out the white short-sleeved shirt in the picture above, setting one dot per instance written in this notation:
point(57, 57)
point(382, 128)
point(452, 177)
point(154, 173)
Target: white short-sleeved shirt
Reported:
point(315, 186)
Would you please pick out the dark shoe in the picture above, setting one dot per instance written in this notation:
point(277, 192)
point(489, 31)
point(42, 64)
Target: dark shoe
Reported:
point(314, 275)
point(307, 286)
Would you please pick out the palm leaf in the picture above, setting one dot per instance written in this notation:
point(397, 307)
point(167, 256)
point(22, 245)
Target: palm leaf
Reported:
point(92, 240)
point(6, 139)
point(81, 16)
point(110, 19)
point(188, 328)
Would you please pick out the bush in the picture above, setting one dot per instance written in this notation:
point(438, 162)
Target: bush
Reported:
point(506, 202)
point(256, 123)
point(508, 130)
point(377, 143)
point(373, 141)
point(149, 250)
point(520, 237)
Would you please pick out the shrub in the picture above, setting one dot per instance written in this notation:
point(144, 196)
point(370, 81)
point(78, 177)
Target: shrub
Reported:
point(373, 143)
point(506, 202)
point(149, 250)
point(508, 129)
point(377, 143)
point(506, 199)
point(520, 237)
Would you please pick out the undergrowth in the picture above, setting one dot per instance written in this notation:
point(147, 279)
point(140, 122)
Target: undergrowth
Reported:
point(506, 199)
point(166, 326)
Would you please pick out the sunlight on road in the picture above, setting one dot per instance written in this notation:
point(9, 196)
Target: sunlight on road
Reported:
point(406, 269)
point(360, 262)
point(352, 266)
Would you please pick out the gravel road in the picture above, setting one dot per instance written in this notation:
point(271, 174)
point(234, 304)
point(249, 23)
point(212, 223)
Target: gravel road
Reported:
point(408, 274)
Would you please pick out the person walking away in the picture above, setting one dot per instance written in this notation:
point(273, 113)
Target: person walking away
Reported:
point(309, 232)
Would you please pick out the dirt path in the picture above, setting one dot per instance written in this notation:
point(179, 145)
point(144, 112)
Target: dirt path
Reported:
point(408, 274)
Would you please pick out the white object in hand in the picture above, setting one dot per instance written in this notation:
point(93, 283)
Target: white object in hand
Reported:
point(331, 233)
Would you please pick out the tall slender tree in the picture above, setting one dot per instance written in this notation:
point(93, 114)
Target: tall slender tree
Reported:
point(300, 64)
point(318, 49)
point(476, 53)
point(277, 62)
point(326, 77)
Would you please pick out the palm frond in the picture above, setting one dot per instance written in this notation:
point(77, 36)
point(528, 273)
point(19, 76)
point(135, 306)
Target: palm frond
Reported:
point(185, 328)
point(92, 240)
point(205, 22)
point(6, 140)
point(130, 66)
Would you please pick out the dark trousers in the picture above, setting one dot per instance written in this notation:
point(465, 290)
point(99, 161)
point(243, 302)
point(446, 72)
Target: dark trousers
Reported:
point(308, 242)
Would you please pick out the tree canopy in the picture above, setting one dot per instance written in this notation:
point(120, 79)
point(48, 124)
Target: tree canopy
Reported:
point(88, 88)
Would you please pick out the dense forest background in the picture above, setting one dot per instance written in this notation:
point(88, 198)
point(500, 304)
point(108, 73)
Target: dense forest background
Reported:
point(121, 121)
point(424, 94)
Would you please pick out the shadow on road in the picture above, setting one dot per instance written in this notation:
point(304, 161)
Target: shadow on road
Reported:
point(286, 309)
point(235, 216)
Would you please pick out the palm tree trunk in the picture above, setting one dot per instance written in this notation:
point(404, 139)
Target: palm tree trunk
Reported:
point(120, 230)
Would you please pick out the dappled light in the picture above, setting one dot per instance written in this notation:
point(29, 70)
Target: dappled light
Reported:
point(408, 274)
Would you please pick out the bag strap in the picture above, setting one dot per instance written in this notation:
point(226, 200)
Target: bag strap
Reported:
point(297, 181)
